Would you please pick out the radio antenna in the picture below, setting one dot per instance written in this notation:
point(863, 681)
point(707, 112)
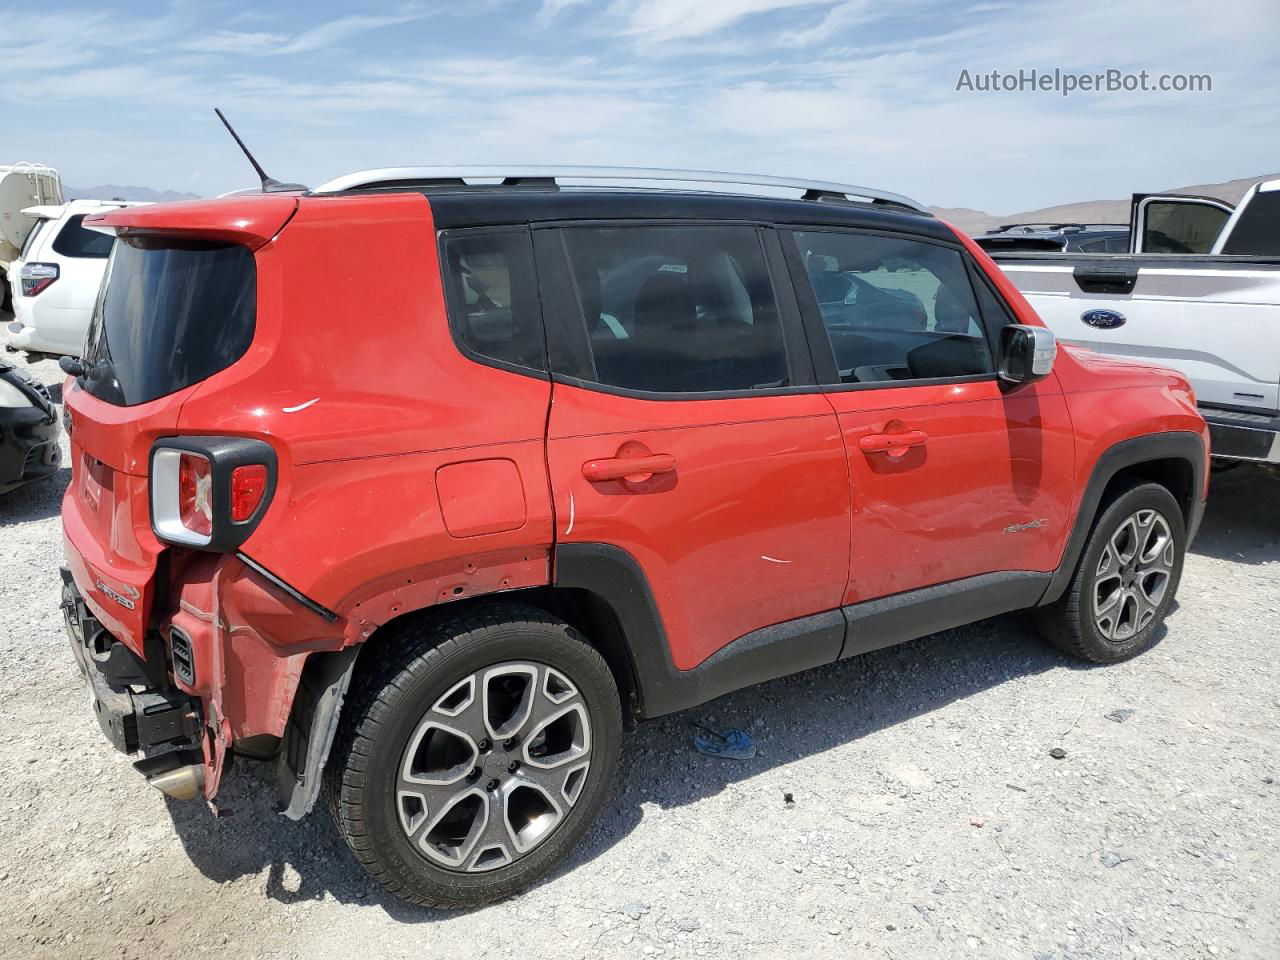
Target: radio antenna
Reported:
point(269, 184)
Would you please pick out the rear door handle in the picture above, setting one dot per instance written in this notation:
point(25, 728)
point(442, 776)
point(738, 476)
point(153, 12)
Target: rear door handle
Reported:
point(630, 469)
point(894, 444)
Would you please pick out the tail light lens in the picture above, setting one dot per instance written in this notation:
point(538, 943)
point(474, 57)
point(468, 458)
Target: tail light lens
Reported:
point(248, 484)
point(210, 492)
point(195, 493)
point(37, 277)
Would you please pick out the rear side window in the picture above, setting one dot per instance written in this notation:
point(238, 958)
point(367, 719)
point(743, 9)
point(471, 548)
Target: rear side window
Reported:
point(895, 308)
point(73, 240)
point(677, 309)
point(170, 314)
point(492, 292)
point(30, 243)
point(1257, 232)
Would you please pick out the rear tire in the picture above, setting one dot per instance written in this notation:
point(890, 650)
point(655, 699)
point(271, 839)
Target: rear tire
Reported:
point(473, 753)
point(1125, 582)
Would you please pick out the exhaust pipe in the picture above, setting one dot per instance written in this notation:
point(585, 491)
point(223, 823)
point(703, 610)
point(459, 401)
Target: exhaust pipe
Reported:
point(184, 783)
point(179, 774)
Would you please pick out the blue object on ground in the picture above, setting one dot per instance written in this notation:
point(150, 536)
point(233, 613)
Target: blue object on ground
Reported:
point(731, 745)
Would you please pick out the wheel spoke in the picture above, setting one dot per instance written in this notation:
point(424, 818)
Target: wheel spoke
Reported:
point(553, 697)
point(1151, 586)
point(1109, 564)
point(1124, 542)
point(508, 693)
point(450, 835)
point(495, 845)
point(530, 811)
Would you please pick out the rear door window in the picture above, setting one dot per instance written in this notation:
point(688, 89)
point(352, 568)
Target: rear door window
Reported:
point(170, 314)
point(73, 240)
point(895, 308)
point(677, 309)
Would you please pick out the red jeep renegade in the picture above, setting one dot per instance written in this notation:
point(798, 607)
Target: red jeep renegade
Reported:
point(424, 488)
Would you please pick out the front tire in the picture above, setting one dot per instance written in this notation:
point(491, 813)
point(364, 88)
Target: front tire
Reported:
point(1126, 579)
point(473, 753)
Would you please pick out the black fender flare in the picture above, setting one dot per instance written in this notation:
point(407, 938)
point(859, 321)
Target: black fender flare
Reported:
point(1174, 445)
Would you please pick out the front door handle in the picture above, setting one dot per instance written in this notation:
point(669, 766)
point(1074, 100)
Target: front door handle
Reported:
point(630, 469)
point(894, 444)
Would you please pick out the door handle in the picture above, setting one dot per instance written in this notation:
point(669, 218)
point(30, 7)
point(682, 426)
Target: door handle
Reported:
point(1103, 280)
point(630, 469)
point(894, 444)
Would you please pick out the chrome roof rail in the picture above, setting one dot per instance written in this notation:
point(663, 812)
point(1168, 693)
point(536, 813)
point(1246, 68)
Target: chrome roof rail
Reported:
point(516, 175)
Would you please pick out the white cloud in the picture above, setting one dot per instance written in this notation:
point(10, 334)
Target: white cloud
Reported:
point(681, 19)
point(314, 38)
point(550, 9)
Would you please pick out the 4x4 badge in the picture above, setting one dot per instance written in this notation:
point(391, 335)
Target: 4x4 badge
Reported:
point(118, 598)
point(1029, 525)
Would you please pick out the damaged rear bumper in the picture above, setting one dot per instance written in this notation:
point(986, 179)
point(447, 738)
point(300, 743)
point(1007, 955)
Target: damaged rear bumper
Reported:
point(134, 705)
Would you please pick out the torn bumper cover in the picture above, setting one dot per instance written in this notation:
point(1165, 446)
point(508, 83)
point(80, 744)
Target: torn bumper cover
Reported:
point(126, 693)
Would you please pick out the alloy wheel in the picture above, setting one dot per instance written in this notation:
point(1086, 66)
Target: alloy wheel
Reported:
point(494, 766)
point(1133, 575)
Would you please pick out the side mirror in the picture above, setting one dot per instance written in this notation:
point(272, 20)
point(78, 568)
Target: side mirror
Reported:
point(1026, 353)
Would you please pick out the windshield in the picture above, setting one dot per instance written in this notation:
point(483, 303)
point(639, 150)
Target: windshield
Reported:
point(170, 313)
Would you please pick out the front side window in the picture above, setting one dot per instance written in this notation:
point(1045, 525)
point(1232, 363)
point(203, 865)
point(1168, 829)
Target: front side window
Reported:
point(895, 308)
point(73, 240)
point(677, 309)
point(493, 296)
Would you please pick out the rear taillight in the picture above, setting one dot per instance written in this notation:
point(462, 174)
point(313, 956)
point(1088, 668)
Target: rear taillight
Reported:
point(248, 484)
point(210, 492)
point(37, 277)
point(195, 493)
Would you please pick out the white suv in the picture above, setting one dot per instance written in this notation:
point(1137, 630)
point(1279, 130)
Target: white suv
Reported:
point(55, 280)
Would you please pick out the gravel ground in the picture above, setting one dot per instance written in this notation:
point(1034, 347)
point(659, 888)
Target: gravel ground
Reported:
point(926, 818)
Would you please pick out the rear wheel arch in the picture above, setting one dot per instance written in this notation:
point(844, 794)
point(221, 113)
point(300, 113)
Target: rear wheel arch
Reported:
point(326, 678)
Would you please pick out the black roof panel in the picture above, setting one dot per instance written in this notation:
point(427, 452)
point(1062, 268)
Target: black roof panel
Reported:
point(502, 205)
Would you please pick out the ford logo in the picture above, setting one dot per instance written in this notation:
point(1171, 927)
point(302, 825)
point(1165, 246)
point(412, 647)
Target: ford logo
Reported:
point(1102, 319)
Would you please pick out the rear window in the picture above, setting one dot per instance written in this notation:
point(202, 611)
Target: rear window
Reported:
point(73, 240)
point(1257, 232)
point(170, 314)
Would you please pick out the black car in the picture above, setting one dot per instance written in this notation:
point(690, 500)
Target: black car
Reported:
point(1058, 237)
point(28, 429)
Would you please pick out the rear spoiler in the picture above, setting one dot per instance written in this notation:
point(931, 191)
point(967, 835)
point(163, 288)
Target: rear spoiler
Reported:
point(48, 211)
point(248, 221)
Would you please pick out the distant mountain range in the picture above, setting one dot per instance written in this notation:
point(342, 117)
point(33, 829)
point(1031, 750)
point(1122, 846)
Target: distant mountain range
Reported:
point(111, 191)
point(1091, 211)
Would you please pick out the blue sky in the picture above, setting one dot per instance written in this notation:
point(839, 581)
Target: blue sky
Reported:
point(850, 90)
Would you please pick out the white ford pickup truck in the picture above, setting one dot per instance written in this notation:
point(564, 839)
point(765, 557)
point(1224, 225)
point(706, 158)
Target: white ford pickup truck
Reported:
point(1199, 290)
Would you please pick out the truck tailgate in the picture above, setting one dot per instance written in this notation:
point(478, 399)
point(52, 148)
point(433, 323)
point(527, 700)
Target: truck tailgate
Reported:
point(1215, 319)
